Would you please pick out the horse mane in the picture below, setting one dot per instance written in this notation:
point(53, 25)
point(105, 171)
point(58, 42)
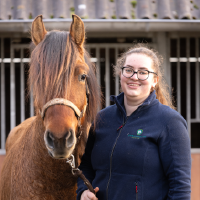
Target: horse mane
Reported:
point(53, 61)
point(94, 99)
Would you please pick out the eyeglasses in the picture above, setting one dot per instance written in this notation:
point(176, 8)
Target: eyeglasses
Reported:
point(141, 74)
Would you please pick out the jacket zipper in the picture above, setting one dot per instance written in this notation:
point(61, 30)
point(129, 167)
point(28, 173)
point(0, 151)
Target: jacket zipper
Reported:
point(120, 128)
point(136, 191)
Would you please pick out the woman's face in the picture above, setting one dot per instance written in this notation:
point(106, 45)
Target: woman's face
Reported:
point(133, 87)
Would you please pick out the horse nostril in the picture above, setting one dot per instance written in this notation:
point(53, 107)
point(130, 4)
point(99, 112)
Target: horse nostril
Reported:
point(68, 134)
point(50, 139)
point(69, 138)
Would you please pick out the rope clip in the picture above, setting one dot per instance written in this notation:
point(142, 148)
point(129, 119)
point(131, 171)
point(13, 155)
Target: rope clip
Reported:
point(71, 161)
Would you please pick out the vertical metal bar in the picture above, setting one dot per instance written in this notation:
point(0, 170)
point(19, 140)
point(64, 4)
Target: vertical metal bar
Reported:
point(197, 80)
point(197, 92)
point(12, 90)
point(3, 112)
point(22, 87)
point(168, 64)
point(107, 81)
point(116, 77)
point(161, 45)
point(88, 50)
point(188, 107)
point(31, 104)
point(198, 87)
point(98, 68)
point(178, 78)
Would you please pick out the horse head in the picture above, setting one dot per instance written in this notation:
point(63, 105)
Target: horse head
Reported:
point(61, 81)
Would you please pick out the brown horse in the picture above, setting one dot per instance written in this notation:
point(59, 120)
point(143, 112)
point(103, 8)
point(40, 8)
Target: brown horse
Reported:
point(66, 100)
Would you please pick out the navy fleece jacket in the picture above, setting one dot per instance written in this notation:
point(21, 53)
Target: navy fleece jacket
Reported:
point(145, 156)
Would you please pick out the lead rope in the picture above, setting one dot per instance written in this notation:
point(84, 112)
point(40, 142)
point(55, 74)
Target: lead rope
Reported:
point(77, 172)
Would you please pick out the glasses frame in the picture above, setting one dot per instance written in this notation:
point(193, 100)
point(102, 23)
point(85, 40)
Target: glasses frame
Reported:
point(134, 72)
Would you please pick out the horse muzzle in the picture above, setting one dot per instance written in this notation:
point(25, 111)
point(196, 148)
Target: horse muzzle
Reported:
point(60, 147)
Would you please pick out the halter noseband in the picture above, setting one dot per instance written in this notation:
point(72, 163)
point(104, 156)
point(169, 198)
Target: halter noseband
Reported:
point(61, 101)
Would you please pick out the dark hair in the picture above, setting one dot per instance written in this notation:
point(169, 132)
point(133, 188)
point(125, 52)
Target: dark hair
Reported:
point(161, 88)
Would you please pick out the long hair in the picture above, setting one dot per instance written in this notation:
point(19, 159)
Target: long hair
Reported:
point(53, 62)
point(161, 88)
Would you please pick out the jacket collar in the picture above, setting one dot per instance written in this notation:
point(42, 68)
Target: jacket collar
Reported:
point(119, 101)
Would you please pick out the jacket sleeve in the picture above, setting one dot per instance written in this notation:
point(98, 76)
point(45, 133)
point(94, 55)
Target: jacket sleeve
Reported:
point(86, 165)
point(174, 149)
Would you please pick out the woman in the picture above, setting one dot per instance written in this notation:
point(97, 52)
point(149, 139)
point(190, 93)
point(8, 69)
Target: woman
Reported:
point(140, 146)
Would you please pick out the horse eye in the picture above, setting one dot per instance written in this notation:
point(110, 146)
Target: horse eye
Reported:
point(83, 77)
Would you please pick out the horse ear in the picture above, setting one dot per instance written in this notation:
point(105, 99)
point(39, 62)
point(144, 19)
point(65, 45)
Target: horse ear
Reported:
point(38, 30)
point(77, 30)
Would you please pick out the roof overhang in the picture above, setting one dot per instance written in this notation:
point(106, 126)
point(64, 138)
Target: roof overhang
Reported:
point(106, 25)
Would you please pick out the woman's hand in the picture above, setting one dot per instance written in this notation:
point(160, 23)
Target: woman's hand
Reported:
point(87, 195)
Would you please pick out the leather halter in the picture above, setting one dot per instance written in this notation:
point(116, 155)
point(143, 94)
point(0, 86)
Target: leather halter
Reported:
point(61, 101)
point(79, 114)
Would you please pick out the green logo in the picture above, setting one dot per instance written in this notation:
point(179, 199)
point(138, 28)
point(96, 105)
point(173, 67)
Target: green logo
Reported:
point(139, 131)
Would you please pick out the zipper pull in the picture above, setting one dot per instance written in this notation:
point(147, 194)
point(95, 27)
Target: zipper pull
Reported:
point(123, 123)
point(120, 127)
point(136, 189)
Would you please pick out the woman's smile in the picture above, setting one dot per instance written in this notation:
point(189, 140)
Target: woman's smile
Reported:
point(133, 85)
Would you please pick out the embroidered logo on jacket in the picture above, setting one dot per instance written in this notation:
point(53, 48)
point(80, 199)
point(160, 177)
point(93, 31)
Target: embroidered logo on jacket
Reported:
point(138, 136)
point(139, 131)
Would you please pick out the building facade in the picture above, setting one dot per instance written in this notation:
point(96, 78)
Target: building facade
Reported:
point(172, 27)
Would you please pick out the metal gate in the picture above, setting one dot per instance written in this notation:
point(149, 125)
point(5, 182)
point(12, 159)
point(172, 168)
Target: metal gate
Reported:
point(183, 73)
point(16, 106)
point(16, 103)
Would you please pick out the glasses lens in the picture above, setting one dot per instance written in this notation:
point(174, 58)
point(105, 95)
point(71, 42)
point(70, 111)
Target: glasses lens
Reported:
point(127, 72)
point(142, 74)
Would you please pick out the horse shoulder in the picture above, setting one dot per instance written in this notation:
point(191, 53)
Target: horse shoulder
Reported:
point(17, 132)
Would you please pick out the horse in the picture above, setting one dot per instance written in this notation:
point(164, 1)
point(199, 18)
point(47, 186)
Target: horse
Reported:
point(66, 101)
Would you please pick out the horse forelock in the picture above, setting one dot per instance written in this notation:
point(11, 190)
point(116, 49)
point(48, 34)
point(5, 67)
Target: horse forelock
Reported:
point(52, 64)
